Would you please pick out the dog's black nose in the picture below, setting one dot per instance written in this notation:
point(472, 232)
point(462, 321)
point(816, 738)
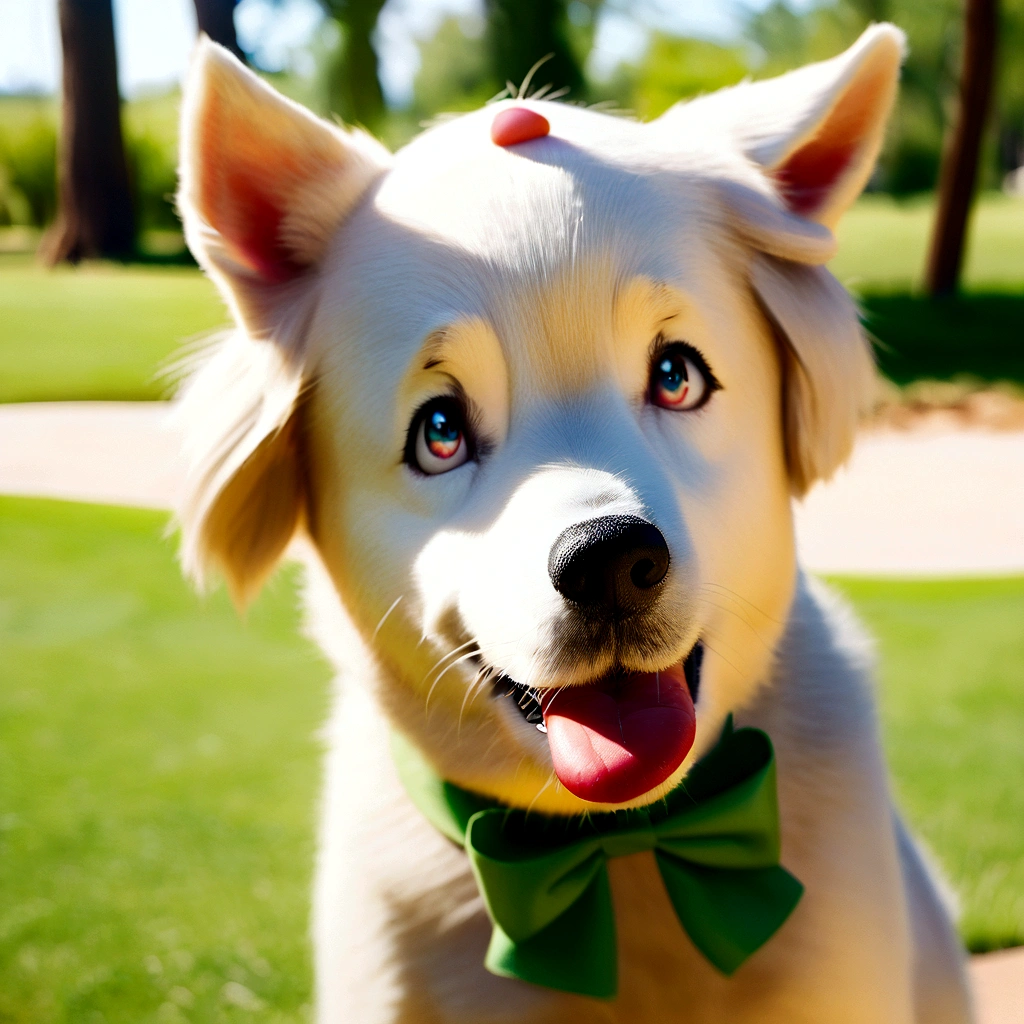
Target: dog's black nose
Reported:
point(611, 564)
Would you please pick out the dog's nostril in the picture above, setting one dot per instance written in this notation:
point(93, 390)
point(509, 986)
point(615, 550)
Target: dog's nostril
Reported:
point(642, 574)
point(610, 564)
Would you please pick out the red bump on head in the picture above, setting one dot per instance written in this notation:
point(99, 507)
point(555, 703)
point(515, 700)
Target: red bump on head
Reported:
point(517, 124)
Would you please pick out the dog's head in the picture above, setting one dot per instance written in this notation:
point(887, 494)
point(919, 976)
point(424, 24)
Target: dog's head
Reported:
point(541, 408)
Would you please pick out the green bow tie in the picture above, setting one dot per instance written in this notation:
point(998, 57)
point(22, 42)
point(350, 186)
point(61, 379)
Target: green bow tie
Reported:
point(545, 883)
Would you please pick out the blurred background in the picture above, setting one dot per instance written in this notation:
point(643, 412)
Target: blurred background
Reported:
point(158, 754)
point(390, 66)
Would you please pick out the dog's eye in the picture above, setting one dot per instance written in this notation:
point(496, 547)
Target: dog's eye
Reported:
point(680, 379)
point(440, 440)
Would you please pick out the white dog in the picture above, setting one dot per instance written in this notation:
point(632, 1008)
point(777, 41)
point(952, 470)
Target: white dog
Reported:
point(537, 392)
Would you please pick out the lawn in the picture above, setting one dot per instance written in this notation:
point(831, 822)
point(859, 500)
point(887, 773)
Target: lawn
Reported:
point(883, 244)
point(159, 781)
point(160, 770)
point(104, 332)
point(97, 332)
point(952, 697)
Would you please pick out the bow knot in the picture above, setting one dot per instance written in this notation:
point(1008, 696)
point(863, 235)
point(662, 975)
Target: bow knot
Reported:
point(544, 879)
point(622, 844)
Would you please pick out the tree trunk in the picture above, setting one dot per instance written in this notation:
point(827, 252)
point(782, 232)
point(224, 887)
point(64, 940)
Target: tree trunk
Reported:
point(217, 19)
point(94, 216)
point(963, 147)
point(521, 32)
point(355, 83)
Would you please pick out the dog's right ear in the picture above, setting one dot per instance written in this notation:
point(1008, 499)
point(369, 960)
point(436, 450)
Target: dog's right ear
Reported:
point(265, 186)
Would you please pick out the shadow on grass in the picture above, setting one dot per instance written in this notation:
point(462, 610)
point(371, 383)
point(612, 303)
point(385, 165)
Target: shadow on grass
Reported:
point(977, 335)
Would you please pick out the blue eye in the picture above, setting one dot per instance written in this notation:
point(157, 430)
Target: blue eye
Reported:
point(441, 443)
point(677, 381)
point(443, 434)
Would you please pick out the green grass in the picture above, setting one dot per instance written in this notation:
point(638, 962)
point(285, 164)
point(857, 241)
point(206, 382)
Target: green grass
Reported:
point(883, 244)
point(97, 332)
point(883, 248)
point(158, 781)
point(978, 336)
point(158, 772)
point(952, 699)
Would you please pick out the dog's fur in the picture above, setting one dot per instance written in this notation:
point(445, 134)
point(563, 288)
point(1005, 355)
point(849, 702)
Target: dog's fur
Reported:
point(534, 280)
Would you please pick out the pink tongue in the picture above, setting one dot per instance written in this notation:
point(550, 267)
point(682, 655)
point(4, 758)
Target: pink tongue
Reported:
point(616, 740)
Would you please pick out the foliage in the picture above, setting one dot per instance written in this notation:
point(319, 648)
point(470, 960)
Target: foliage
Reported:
point(522, 32)
point(28, 160)
point(454, 74)
point(352, 80)
point(673, 69)
point(151, 143)
point(930, 76)
point(973, 335)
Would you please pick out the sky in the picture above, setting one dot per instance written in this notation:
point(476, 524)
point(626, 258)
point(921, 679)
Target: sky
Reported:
point(154, 37)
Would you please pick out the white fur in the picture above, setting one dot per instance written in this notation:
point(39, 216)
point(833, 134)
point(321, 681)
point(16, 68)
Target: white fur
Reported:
point(537, 279)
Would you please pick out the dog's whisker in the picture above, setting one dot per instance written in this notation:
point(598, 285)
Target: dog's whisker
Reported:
point(726, 608)
point(444, 657)
point(477, 650)
point(730, 611)
point(743, 600)
point(719, 654)
point(384, 617)
point(540, 793)
point(441, 674)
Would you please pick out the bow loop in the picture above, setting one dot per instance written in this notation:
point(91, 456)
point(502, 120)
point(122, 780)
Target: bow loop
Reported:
point(735, 829)
point(526, 887)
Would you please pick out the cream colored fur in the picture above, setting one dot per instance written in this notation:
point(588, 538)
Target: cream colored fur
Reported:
point(536, 279)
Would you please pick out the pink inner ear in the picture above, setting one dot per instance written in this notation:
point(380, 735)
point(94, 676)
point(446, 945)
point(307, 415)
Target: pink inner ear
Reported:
point(253, 231)
point(809, 175)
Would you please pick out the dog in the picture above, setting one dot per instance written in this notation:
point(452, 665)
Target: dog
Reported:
point(532, 399)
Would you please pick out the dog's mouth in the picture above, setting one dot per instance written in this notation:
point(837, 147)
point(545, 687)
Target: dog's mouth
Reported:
point(620, 736)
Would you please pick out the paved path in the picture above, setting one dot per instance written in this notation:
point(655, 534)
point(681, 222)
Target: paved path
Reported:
point(924, 504)
point(119, 453)
point(928, 504)
point(998, 981)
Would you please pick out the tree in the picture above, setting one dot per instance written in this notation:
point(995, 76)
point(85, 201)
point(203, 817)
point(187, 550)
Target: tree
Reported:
point(963, 146)
point(94, 216)
point(354, 82)
point(217, 19)
point(521, 32)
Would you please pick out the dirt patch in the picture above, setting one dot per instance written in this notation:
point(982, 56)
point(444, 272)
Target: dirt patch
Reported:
point(949, 405)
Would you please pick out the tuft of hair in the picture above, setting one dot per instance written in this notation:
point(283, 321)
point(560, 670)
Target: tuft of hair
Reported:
point(829, 379)
point(240, 417)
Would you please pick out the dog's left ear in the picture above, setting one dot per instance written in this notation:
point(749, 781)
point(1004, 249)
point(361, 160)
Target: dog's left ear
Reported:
point(807, 143)
point(816, 132)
